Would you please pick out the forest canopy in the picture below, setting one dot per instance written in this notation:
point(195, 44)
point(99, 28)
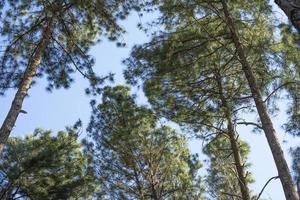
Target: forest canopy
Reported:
point(212, 87)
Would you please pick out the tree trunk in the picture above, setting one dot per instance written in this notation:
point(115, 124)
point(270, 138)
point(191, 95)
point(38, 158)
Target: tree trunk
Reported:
point(267, 125)
point(237, 160)
point(292, 10)
point(26, 82)
point(298, 186)
point(233, 143)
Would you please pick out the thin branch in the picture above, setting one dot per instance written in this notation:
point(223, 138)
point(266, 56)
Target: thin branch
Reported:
point(278, 88)
point(250, 123)
point(243, 97)
point(71, 58)
point(232, 195)
point(275, 177)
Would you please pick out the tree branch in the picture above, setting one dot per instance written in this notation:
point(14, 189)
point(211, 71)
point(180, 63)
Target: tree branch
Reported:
point(278, 88)
point(232, 195)
point(275, 177)
point(250, 123)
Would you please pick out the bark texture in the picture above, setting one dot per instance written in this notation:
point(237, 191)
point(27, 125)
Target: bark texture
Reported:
point(240, 168)
point(267, 125)
point(26, 82)
point(292, 10)
point(238, 161)
point(298, 186)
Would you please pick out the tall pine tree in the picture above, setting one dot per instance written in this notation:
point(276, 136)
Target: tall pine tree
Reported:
point(135, 156)
point(52, 38)
point(204, 95)
point(221, 181)
point(242, 29)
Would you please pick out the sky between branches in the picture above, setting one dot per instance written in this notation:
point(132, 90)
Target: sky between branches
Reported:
point(64, 107)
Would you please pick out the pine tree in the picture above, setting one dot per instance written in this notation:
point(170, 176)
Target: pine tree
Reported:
point(52, 38)
point(43, 166)
point(239, 28)
point(221, 180)
point(288, 58)
point(136, 158)
point(204, 95)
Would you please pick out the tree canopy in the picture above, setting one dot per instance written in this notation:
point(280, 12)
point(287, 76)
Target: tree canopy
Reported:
point(195, 34)
point(52, 38)
point(221, 181)
point(135, 156)
point(208, 68)
point(44, 166)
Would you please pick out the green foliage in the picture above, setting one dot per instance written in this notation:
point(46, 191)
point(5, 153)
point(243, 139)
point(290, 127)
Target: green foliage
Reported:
point(221, 181)
point(78, 25)
point(191, 72)
point(289, 60)
point(137, 158)
point(185, 88)
point(178, 67)
point(42, 166)
point(191, 75)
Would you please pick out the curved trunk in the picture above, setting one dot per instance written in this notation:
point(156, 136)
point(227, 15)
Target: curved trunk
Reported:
point(267, 125)
point(25, 84)
point(240, 168)
point(292, 10)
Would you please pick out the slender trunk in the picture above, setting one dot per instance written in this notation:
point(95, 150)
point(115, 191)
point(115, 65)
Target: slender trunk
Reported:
point(138, 183)
point(267, 125)
point(298, 186)
point(153, 182)
point(233, 143)
point(25, 84)
point(154, 195)
point(237, 160)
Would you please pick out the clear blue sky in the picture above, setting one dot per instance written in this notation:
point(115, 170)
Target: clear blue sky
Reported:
point(63, 107)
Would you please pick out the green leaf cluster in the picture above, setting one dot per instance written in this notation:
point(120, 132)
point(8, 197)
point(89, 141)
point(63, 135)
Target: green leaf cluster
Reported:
point(137, 158)
point(43, 166)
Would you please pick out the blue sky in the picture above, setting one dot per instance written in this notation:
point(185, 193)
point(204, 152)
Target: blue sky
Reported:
point(63, 107)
